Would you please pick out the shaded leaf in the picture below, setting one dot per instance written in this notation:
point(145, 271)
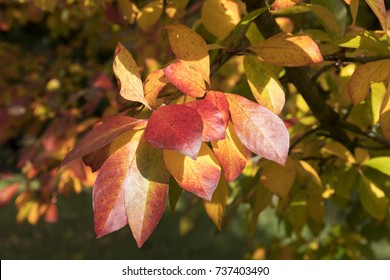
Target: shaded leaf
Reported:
point(146, 191)
point(109, 190)
point(174, 193)
point(359, 84)
point(149, 15)
point(176, 8)
point(381, 164)
point(189, 46)
point(46, 5)
point(218, 99)
point(105, 132)
point(260, 130)
point(265, 86)
point(187, 77)
point(213, 124)
point(231, 154)
point(154, 83)
point(199, 177)
point(280, 4)
point(279, 179)
point(326, 18)
point(384, 118)
point(339, 150)
point(220, 17)
point(7, 193)
point(288, 50)
point(215, 208)
point(175, 127)
point(372, 198)
point(127, 74)
point(379, 9)
point(129, 10)
point(307, 171)
point(315, 208)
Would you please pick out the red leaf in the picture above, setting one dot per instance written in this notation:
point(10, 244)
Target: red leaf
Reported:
point(109, 191)
point(145, 196)
point(260, 130)
point(218, 99)
point(109, 129)
point(7, 193)
point(175, 127)
point(187, 77)
point(213, 124)
point(51, 215)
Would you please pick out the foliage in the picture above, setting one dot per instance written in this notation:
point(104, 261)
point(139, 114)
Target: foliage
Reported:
point(281, 106)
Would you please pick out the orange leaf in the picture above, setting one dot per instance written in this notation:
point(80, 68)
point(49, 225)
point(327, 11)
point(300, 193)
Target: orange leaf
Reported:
point(231, 153)
point(109, 191)
point(200, 176)
point(280, 4)
point(188, 45)
point(146, 191)
point(127, 74)
point(175, 127)
point(187, 77)
point(385, 115)
point(260, 130)
point(288, 50)
point(7, 193)
point(154, 83)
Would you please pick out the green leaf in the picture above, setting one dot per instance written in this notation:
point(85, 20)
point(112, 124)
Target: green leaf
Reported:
point(372, 198)
point(364, 40)
point(381, 164)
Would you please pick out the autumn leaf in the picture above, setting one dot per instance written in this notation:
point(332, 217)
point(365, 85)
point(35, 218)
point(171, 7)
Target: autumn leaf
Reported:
point(373, 198)
point(104, 133)
point(215, 208)
point(384, 118)
point(288, 50)
point(279, 179)
point(280, 4)
point(129, 10)
point(218, 99)
point(187, 77)
point(382, 164)
point(154, 83)
point(129, 79)
point(7, 193)
point(327, 19)
point(199, 177)
point(46, 5)
point(149, 15)
point(187, 45)
point(260, 130)
point(364, 75)
point(146, 191)
point(175, 127)
point(231, 154)
point(339, 150)
point(379, 9)
point(264, 85)
point(109, 190)
point(213, 124)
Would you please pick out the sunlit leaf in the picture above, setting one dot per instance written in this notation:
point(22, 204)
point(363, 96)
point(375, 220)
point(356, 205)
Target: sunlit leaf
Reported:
point(384, 118)
point(359, 84)
point(306, 170)
point(213, 124)
point(176, 8)
point(288, 50)
point(175, 127)
point(154, 83)
point(218, 99)
point(127, 74)
point(381, 164)
point(231, 154)
point(220, 17)
point(129, 10)
point(146, 191)
point(260, 130)
point(46, 5)
point(149, 15)
point(280, 4)
point(187, 77)
point(187, 45)
point(379, 9)
point(373, 198)
point(215, 208)
point(364, 40)
point(200, 176)
point(378, 92)
point(109, 191)
point(279, 179)
point(105, 132)
point(265, 86)
point(339, 150)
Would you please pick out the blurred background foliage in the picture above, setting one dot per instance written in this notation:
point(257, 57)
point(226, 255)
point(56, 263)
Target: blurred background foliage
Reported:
point(57, 81)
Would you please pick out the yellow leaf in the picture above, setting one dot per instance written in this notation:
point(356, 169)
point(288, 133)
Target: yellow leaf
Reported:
point(359, 84)
point(279, 179)
point(176, 8)
point(378, 91)
point(373, 199)
point(154, 83)
point(339, 150)
point(187, 45)
point(200, 176)
point(309, 172)
point(265, 86)
point(220, 17)
point(46, 5)
point(149, 15)
point(215, 208)
point(129, 10)
point(285, 49)
point(126, 71)
point(33, 214)
point(385, 115)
